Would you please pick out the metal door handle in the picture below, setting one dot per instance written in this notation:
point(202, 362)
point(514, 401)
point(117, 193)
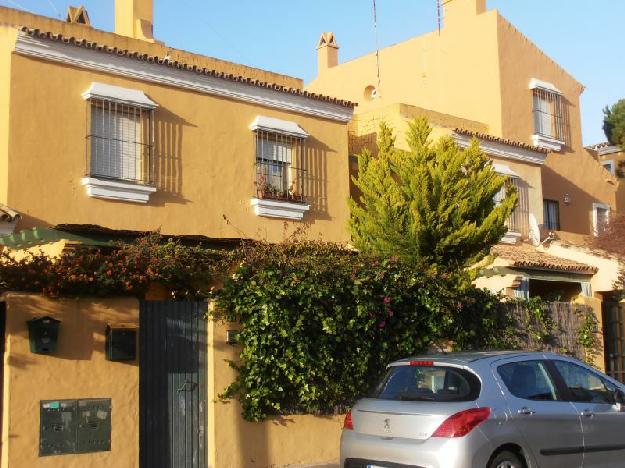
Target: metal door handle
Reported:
point(187, 386)
point(587, 413)
point(526, 411)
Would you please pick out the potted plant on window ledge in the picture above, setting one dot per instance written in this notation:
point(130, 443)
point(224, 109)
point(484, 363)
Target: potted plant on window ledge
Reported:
point(267, 191)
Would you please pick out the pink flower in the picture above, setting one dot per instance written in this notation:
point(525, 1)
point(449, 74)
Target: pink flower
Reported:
point(382, 324)
point(390, 312)
point(387, 300)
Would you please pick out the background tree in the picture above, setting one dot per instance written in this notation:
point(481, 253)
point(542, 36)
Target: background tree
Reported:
point(614, 123)
point(433, 204)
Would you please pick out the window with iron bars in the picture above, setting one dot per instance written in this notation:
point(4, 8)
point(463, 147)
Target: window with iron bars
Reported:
point(519, 218)
point(120, 141)
point(280, 166)
point(550, 114)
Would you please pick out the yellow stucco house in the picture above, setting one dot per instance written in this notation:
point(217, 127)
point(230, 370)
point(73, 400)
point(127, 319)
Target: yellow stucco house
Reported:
point(129, 134)
point(111, 134)
point(479, 77)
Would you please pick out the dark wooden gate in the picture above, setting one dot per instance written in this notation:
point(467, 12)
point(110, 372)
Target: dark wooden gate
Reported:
point(173, 384)
point(614, 338)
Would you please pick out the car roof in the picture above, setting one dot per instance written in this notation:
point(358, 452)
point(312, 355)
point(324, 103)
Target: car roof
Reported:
point(467, 357)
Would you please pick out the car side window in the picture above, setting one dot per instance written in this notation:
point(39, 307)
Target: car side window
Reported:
point(584, 385)
point(528, 380)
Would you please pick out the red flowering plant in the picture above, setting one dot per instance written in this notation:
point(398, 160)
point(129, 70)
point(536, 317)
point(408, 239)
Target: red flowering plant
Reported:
point(126, 269)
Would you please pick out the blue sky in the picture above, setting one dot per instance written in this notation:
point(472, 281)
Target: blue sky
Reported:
point(584, 36)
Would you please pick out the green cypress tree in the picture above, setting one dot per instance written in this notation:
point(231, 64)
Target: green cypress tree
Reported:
point(433, 204)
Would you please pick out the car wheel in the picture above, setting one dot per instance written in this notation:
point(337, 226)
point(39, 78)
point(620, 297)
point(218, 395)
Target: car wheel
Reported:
point(506, 459)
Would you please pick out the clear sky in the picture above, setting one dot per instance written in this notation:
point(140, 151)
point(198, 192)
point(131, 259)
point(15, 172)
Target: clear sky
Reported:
point(584, 36)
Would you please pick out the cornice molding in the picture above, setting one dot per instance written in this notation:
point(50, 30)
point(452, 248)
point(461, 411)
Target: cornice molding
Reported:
point(502, 150)
point(91, 59)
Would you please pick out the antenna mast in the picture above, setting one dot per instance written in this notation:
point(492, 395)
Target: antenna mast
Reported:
point(377, 46)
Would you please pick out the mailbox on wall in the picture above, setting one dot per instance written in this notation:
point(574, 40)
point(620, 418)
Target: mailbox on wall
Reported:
point(43, 334)
point(74, 426)
point(121, 342)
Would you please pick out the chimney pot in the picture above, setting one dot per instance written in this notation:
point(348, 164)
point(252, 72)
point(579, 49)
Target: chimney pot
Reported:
point(135, 18)
point(327, 52)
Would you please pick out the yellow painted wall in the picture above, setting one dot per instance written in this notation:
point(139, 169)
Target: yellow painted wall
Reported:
point(204, 158)
point(454, 73)
point(572, 171)
point(479, 68)
point(281, 441)
point(618, 158)
point(78, 369)
point(7, 42)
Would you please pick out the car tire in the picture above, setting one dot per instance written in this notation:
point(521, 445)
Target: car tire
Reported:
point(506, 459)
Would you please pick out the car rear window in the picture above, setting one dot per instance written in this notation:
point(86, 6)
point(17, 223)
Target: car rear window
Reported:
point(428, 383)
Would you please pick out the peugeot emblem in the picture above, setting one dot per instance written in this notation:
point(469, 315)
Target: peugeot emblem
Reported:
point(387, 425)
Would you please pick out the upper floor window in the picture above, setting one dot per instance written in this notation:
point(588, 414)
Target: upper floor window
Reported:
point(551, 214)
point(609, 166)
point(600, 217)
point(281, 172)
point(120, 134)
point(550, 116)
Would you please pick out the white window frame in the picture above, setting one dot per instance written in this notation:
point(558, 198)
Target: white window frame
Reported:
point(595, 216)
point(547, 117)
point(609, 165)
point(128, 181)
point(285, 141)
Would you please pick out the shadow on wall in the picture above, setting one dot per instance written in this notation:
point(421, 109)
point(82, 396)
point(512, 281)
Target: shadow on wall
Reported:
point(576, 217)
point(316, 162)
point(81, 333)
point(168, 136)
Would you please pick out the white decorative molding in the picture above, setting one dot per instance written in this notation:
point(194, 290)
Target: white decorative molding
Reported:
point(502, 150)
point(546, 142)
point(91, 59)
point(117, 190)
point(132, 97)
point(609, 150)
point(595, 216)
point(283, 127)
point(504, 170)
point(536, 83)
point(279, 208)
point(511, 237)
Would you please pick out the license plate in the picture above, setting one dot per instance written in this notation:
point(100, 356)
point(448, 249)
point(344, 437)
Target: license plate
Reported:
point(375, 466)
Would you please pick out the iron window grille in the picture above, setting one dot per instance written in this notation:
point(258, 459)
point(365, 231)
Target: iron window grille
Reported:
point(519, 218)
point(550, 114)
point(551, 212)
point(120, 141)
point(281, 172)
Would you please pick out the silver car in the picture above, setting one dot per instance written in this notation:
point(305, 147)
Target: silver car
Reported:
point(488, 410)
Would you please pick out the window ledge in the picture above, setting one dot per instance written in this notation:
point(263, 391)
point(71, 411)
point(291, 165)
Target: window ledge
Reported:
point(279, 209)
point(546, 142)
point(510, 237)
point(117, 190)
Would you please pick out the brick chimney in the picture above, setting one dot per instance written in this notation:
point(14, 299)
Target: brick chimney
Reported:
point(327, 52)
point(458, 10)
point(134, 18)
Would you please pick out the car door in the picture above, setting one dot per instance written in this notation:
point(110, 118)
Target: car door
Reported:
point(549, 425)
point(603, 422)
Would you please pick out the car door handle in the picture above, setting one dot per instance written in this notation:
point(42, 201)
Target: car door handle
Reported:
point(587, 413)
point(526, 411)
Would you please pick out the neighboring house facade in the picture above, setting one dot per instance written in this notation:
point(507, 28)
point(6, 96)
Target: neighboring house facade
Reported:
point(479, 77)
point(123, 132)
point(612, 158)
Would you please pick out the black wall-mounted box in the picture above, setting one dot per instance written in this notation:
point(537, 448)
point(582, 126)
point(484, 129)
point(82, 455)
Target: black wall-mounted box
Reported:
point(43, 334)
point(121, 343)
